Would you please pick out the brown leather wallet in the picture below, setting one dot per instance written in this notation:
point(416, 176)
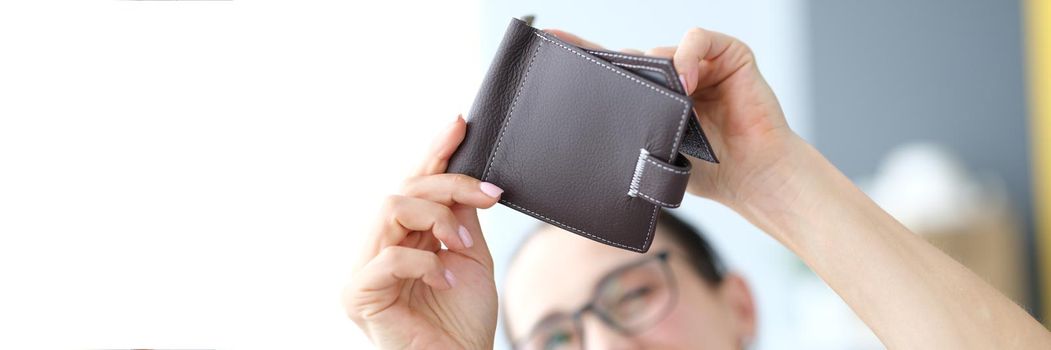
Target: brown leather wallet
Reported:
point(585, 140)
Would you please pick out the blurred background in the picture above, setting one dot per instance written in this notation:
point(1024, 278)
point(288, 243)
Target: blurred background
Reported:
point(199, 174)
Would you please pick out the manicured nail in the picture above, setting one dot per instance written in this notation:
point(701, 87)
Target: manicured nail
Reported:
point(466, 237)
point(682, 79)
point(491, 190)
point(450, 278)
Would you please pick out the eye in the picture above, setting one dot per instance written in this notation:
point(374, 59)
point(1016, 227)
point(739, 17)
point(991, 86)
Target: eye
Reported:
point(634, 294)
point(557, 340)
point(633, 301)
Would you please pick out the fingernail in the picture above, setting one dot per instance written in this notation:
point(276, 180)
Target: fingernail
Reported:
point(466, 237)
point(450, 278)
point(491, 190)
point(682, 79)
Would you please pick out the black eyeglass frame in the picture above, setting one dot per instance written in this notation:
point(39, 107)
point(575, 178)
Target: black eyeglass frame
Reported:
point(590, 306)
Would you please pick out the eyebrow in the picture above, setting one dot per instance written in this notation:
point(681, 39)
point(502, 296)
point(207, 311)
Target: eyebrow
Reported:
point(549, 317)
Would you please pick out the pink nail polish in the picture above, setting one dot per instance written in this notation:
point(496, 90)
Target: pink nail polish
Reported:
point(682, 79)
point(491, 190)
point(450, 278)
point(465, 237)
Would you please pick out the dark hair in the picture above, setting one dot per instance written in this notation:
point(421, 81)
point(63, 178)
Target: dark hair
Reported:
point(699, 254)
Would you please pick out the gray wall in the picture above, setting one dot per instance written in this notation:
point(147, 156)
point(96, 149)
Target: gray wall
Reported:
point(888, 72)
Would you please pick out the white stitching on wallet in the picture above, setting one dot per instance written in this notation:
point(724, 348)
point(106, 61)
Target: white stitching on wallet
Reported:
point(640, 166)
point(663, 72)
point(574, 229)
point(643, 59)
point(662, 166)
point(685, 106)
point(658, 201)
point(653, 220)
point(507, 120)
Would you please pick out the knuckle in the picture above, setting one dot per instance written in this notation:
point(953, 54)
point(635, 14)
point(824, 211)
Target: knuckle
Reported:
point(696, 32)
point(441, 220)
point(744, 47)
point(462, 180)
point(747, 54)
point(447, 214)
point(432, 260)
point(355, 311)
point(391, 203)
point(458, 184)
point(389, 255)
point(748, 51)
point(408, 184)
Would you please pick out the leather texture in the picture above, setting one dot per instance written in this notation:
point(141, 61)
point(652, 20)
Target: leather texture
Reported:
point(662, 71)
point(585, 140)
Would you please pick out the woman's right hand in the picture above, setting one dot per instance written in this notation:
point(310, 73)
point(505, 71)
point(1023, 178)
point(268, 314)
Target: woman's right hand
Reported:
point(408, 292)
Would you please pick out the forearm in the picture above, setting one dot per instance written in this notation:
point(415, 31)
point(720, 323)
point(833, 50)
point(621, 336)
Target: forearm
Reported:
point(911, 294)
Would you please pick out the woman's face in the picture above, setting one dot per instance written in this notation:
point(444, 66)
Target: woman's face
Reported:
point(557, 272)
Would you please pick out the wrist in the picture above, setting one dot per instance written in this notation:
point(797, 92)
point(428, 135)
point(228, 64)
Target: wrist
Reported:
point(780, 197)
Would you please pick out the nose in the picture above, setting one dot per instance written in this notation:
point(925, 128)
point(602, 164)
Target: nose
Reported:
point(599, 335)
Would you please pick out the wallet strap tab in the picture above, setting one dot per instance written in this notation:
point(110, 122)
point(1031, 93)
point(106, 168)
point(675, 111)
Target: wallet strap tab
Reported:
point(659, 182)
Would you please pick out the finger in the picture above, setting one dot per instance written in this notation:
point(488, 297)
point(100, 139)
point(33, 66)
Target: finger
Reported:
point(632, 51)
point(449, 189)
point(573, 39)
point(423, 240)
point(463, 194)
point(403, 215)
point(443, 147)
point(369, 289)
point(696, 48)
point(395, 263)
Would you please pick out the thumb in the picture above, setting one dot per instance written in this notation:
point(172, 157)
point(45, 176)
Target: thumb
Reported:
point(437, 158)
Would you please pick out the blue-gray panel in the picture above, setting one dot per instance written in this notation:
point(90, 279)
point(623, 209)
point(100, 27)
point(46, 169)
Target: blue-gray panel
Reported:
point(889, 72)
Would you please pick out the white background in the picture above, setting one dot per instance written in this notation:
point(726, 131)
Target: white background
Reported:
point(197, 174)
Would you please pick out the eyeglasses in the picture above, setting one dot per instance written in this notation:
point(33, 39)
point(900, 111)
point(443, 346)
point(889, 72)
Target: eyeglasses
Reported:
point(629, 299)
